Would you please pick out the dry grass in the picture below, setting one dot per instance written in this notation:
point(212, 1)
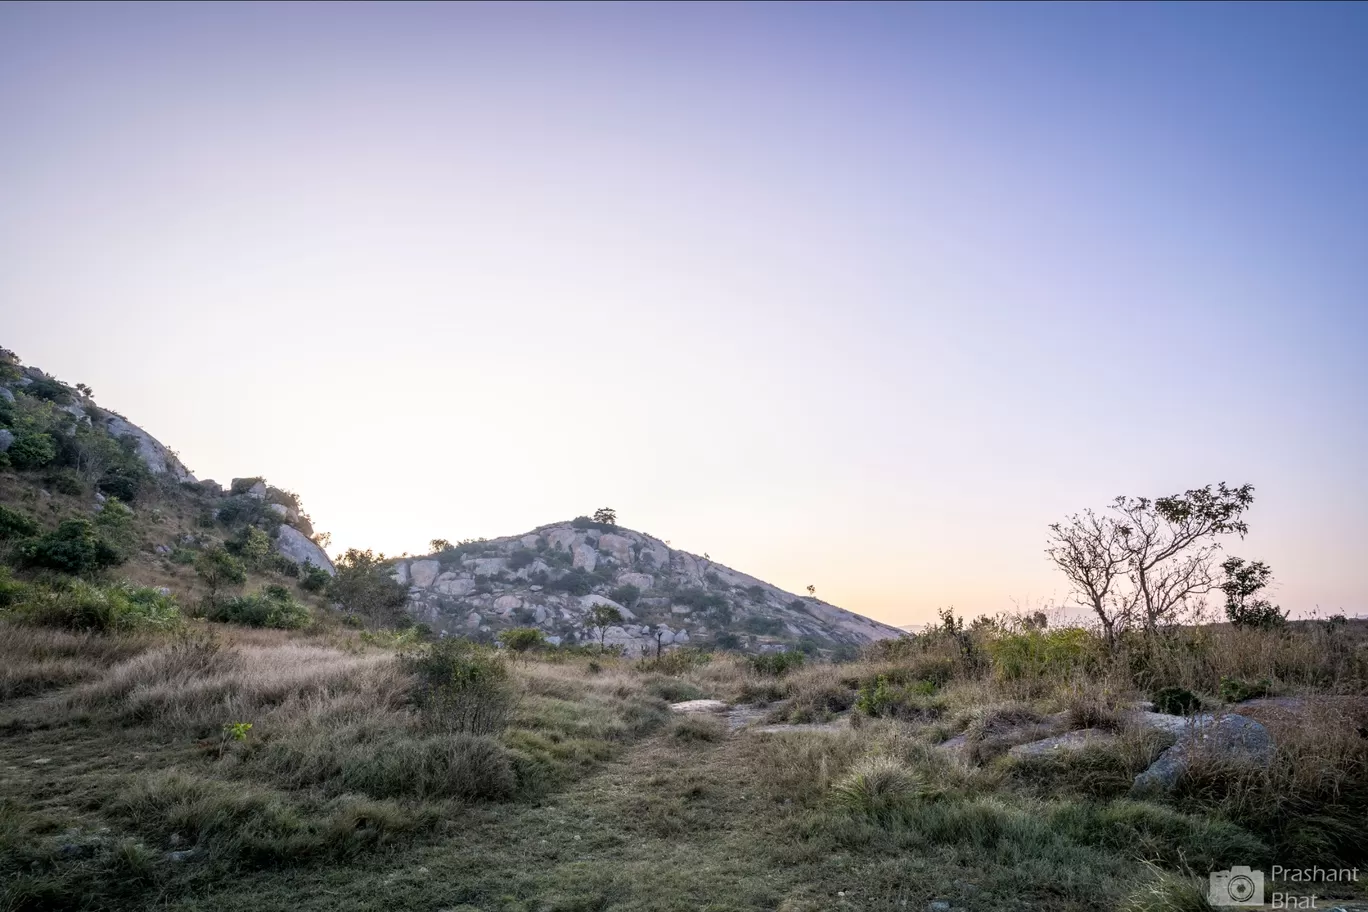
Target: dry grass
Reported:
point(36, 659)
point(200, 684)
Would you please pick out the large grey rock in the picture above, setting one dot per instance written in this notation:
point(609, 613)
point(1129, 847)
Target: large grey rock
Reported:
point(301, 549)
point(453, 585)
point(1065, 743)
point(585, 557)
point(589, 602)
point(617, 545)
point(1232, 739)
point(505, 604)
point(6, 440)
point(564, 537)
point(153, 454)
point(6, 395)
point(422, 573)
point(643, 581)
point(400, 573)
point(488, 566)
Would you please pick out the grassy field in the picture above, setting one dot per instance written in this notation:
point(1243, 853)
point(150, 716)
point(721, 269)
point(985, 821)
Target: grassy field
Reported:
point(452, 778)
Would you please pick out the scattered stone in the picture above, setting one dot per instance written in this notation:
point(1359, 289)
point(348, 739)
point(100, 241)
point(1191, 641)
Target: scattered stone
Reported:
point(1231, 738)
point(1067, 742)
point(162, 549)
point(699, 706)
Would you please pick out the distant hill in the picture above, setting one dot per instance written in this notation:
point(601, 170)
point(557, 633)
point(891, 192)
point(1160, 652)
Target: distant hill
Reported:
point(553, 576)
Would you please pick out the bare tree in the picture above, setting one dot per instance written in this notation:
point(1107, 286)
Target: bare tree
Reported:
point(1150, 561)
point(1090, 550)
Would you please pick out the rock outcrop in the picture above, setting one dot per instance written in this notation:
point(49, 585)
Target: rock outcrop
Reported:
point(556, 576)
point(153, 453)
point(299, 548)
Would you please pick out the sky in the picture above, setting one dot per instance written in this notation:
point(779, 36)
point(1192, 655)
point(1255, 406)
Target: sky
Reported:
point(856, 296)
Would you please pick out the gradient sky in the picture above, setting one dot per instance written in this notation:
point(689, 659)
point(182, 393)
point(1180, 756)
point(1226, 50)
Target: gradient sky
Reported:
point(856, 296)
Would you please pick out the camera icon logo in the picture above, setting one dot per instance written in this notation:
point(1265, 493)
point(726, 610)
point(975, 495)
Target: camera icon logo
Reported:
point(1239, 886)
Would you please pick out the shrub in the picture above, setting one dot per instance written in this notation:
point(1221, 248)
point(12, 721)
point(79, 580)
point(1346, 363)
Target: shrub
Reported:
point(53, 391)
point(694, 727)
point(625, 595)
point(1057, 653)
point(32, 450)
point(523, 639)
point(14, 524)
point(775, 663)
point(883, 698)
point(75, 547)
point(364, 586)
point(877, 787)
point(521, 557)
point(1176, 701)
point(219, 569)
point(572, 582)
point(461, 687)
point(313, 579)
point(763, 626)
point(100, 609)
point(271, 607)
point(251, 545)
point(1234, 690)
point(65, 481)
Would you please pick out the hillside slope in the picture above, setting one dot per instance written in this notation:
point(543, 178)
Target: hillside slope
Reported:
point(554, 576)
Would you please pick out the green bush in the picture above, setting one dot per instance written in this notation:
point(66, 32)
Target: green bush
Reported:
point(522, 557)
point(32, 450)
point(905, 701)
point(461, 687)
point(271, 607)
point(625, 595)
point(53, 391)
point(313, 579)
point(1234, 690)
point(75, 547)
point(1176, 701)
point(102, 609)
point(65, 481)
point(1057, 653)
point(14, 524)
point(571, 582)
point(522, 639)
point(775, 663)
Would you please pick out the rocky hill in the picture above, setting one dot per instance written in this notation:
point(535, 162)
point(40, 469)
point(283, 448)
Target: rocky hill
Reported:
point(555, 576)
point(63, 457)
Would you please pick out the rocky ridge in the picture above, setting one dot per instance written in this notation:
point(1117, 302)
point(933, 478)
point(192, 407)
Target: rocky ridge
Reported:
point(554, 576)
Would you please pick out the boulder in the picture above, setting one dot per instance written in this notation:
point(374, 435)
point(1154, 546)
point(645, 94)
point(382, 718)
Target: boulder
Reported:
point(589, 602)
point(423, 573)
point(530, 541)
point(618, 546)
point(585, 557)
point(1070, 741)
point(153, 454)
point(563, 538)
point(488, 566)
point(280, 510)
point(506, 603)
point(6, 394)
point(400, 574)
point(454, 585)
point(473, 619)
point(1231, 738)
point(541, 614)
point(681, 637)
point(643, 581)
point(6, 439)
point(299, 548)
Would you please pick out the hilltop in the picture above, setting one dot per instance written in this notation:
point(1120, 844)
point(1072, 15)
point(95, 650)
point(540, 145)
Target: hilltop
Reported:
point(554, 576)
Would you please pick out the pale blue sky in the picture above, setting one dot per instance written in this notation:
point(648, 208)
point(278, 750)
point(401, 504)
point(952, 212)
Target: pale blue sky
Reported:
point(856, 296)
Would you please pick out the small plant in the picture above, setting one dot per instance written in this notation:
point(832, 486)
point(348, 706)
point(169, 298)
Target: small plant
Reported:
point(1176, 701)
point(606, 515)
point(271, 607)
point(233, 731)
point(312, 578)
point(604, 615)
